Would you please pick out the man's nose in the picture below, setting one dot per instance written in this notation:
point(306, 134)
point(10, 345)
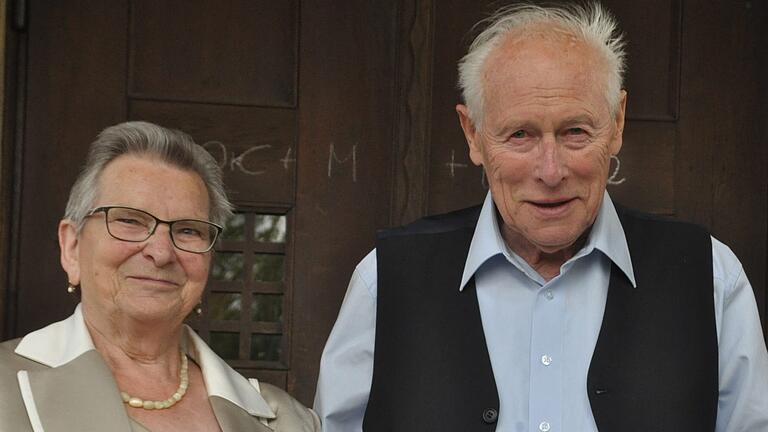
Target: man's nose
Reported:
point(550, 168)
point(159, 246)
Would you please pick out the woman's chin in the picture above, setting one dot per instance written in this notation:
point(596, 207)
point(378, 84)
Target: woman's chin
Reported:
point(150, 311)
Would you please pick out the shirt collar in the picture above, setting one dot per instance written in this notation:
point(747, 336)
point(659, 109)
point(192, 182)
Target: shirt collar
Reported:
point(486, 241)
point(58, 343)
point(221, 380)
point(63, 341)
point(607, 236)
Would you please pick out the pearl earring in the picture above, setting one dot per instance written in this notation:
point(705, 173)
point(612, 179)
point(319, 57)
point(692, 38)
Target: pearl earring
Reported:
point(71, 288)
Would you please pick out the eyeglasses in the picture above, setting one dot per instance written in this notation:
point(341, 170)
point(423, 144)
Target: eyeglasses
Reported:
point(134, 225)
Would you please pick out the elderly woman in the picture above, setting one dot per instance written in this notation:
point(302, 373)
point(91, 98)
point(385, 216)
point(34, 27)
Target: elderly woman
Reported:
point(137, 240)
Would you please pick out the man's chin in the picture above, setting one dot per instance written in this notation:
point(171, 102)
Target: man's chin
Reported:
point(553, 243)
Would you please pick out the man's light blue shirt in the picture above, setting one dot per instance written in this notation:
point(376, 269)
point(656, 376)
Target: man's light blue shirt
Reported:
point(541, 334)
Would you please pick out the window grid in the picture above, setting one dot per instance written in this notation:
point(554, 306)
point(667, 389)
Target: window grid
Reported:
point(250, 334)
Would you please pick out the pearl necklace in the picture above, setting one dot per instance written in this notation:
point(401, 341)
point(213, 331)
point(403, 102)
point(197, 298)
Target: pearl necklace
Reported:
point(164, 404)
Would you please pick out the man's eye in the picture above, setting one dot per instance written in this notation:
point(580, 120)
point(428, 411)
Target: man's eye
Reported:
point(519, 134)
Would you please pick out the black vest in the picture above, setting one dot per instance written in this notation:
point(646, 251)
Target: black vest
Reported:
point(654, 367)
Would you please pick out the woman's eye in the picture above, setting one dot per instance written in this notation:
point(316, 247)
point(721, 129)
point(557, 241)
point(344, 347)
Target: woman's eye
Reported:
point(576, 131)
point(189, 232)
point(129, 221)
point(519, 134)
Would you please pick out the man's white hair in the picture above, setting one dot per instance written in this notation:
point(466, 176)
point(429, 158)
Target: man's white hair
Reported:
point(592, 23)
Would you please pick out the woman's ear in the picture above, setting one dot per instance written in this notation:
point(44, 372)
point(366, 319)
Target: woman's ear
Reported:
point(68, 245)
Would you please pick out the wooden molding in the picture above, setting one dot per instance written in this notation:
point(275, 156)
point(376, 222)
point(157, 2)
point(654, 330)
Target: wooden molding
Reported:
point(410, 156)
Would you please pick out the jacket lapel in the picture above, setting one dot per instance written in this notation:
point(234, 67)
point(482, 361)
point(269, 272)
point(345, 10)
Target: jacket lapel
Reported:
point(79, 396)
point(232, 418)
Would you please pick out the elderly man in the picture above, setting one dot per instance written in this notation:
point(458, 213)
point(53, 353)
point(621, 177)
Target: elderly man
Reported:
point(549, 308)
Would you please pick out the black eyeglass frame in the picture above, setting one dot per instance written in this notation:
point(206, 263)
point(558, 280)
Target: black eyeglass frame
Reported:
point(158, 221)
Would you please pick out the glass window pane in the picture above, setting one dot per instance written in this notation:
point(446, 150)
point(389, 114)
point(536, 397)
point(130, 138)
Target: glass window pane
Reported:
point(267, 307)
point(266, 347)
point(268, 267)
point(224, 306)
point(234, 228)
point(226, 344)
point(227, 266)
point(269, 228)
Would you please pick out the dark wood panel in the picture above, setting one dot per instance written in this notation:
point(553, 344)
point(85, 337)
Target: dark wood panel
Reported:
point(762, 41)
point(718, 158)
point(452, 186)
point(653, 31)
point(255, 147)
point(728, 116)
point(13, 84)
point(346, 95)
point(233, 51)
point(646, 167)
point(454, 182)
point(76, 87)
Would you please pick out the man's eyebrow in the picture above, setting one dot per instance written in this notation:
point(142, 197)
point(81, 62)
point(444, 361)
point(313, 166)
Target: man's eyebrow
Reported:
point(516, 125)
point(580, 119)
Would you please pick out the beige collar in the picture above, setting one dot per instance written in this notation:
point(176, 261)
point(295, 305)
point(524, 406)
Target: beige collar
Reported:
point(63, 341)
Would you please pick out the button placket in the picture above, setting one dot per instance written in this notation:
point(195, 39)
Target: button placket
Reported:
point(546, 346)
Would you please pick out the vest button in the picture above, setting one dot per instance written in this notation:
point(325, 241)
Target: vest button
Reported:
point(490, 415)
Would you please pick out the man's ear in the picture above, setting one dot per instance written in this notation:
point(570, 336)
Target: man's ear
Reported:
point(69, 247)
point(618, 139)
point(470, 133)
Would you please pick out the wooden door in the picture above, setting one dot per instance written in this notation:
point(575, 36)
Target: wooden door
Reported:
point(332, 119)
point(293, 99)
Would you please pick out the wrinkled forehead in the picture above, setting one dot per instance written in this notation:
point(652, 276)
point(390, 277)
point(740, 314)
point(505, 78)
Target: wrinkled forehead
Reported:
point(544, 32)
point(147, 181)
point(536, 58)
point(524, 52)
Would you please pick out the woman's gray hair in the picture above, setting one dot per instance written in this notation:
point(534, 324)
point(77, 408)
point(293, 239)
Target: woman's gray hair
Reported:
point(146, 139)
point(591, 22)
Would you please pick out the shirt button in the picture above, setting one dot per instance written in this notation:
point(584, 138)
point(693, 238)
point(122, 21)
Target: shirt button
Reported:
point(546, 360)
point(549, 295)
point(544, 426)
